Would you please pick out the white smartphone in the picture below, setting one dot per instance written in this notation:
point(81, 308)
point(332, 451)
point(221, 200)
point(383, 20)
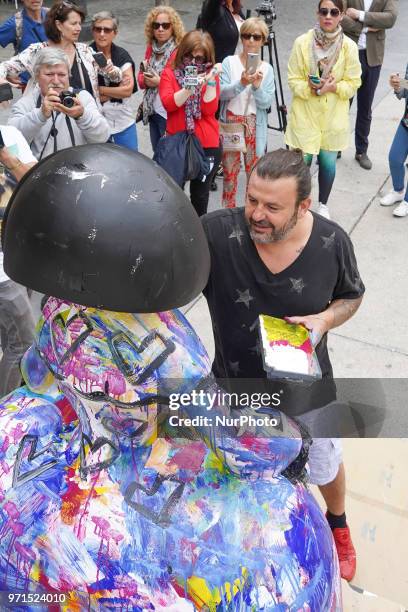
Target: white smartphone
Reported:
point(252, 63)
point(404, 83)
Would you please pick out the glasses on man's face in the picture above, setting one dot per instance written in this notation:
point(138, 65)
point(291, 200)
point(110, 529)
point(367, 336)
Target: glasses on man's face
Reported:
point(100, 29)
point(324, 12)
point(256, 37)
point(166, 25)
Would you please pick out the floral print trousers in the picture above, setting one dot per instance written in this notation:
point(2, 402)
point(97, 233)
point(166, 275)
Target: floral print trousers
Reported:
point(231, 160)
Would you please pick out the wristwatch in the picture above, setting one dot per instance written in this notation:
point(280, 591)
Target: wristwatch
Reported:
point(318, 92)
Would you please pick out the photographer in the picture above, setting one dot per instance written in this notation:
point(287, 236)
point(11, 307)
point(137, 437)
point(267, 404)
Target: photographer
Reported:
point(16, 317)
point(52, 117)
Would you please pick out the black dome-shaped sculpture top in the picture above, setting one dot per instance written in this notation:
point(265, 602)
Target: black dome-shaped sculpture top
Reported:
point(103, 226)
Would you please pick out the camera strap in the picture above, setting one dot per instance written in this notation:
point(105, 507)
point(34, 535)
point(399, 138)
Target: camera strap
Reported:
point(79, 64)
point(54, 132)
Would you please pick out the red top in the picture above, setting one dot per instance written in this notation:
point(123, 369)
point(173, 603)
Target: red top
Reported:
point(148, 55)
point(206, 128)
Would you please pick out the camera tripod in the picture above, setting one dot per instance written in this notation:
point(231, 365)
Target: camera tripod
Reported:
point(266, 10)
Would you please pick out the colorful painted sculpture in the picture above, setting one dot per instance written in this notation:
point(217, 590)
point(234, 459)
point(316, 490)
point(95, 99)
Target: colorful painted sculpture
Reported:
point(100, 499)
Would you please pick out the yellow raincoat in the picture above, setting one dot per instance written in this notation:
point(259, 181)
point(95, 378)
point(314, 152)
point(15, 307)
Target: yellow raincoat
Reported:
point(321, 122)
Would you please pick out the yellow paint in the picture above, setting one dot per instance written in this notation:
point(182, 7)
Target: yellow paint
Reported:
point(279, 330)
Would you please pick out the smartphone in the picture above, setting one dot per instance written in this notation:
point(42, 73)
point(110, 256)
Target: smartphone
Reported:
point(143, 66)
point(190, 77)
point(315, 79)
point(1, 141)
point(100, 59)
point(404, 83)
point(252, 62)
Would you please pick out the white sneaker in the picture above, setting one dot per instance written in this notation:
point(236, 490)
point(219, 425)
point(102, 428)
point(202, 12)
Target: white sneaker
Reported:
point(323, 211)
point(392, 197)
point(401, 210)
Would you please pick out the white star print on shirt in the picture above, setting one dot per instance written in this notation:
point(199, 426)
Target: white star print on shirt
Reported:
point(244, 296)
point(297, 285)
point(236, 233)
point(234, 367)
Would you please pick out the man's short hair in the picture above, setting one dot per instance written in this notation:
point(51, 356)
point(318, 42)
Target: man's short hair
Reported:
point(50, 56)
point(284, 163)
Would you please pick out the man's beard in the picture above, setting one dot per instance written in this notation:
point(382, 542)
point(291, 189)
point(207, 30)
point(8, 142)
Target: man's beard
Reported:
point(275, 235)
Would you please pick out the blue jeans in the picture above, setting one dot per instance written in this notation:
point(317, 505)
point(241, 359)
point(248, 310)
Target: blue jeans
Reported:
point(157, 127)
point(127, 138)
point(327, 172)
point(396, 158)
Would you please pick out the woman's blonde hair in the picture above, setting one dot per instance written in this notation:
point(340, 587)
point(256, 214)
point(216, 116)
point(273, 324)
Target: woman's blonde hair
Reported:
point(254, 25)
point(174, 18)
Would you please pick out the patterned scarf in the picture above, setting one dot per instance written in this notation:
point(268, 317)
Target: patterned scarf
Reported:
point(192, 107)
point(325, 50)
point(159, 58)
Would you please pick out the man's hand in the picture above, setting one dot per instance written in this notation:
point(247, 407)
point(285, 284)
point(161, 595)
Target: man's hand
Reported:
point(317, 325)
point(75, 112)
point(49, 101)
point(353, 13)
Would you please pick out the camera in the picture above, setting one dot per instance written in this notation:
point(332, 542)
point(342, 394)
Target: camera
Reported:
point(67, 98)
point(190, 77)
point(267, 11)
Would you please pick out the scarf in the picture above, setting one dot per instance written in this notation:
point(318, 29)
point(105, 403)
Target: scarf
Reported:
point(192, 106)
point(158, 60)
point(325, 50)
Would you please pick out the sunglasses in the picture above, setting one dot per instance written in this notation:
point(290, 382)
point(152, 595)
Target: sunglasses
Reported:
point(324, 12)
point(198, 59)
point(100, 29)
point(256, 37)
point(166, 25)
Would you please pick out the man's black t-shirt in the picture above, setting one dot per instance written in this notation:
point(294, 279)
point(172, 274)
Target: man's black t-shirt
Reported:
point(241, 287)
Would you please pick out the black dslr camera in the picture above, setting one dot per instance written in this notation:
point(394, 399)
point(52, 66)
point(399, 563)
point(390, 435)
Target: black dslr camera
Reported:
point(67, 98)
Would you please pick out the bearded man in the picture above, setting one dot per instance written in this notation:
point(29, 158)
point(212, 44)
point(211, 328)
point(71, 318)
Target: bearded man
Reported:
point(278, 258)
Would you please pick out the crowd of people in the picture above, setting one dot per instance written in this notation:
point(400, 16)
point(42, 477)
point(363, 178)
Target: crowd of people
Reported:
point(212, 83)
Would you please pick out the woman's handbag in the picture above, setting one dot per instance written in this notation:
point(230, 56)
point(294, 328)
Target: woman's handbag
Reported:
point(232, 135)
point(182, 157)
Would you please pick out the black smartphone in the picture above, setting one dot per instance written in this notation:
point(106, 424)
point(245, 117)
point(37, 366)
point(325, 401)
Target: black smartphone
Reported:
point(6, 93)
point(2, 145)
point(100, 59)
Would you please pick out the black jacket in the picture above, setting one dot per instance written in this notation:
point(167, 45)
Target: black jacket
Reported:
point(218, 21)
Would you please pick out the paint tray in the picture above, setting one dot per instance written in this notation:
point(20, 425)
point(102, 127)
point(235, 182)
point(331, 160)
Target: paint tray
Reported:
point(287, 350)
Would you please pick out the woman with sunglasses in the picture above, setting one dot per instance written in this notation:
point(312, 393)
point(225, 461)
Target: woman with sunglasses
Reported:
point(246, 94)
point(164, 31)
point(115, 97)
point(193, 107)
point(323, 73)
point(62, 27)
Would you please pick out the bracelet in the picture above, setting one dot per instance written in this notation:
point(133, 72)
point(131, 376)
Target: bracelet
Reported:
point(16, 165)
point(212, 83)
